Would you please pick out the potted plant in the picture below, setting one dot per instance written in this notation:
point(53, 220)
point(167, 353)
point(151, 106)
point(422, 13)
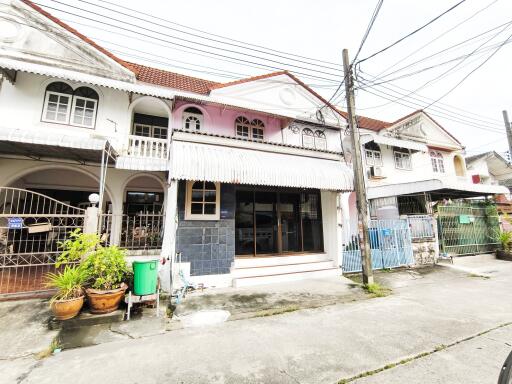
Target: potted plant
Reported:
point(69, 300)
point(505, 239)
point(106, 271)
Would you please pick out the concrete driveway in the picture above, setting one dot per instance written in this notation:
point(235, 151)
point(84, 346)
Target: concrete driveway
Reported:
point(428, 310)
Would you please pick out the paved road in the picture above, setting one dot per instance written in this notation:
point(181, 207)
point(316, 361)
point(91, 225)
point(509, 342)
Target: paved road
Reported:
point(321, 345)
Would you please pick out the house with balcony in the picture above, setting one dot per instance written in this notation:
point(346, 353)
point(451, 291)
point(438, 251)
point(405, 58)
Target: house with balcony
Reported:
point(415, 169)
point(231, 183)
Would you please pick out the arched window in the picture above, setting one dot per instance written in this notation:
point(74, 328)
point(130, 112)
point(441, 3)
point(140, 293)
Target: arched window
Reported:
point(320, 140)
point(257, 129)
point(458, 164)
point(203, 200)
point(437, 161)
point(372, 154)
point(63, 105)
point(57, 102)
point(192, 119)
point(85, 104)
point(242, 127)
point(308, 139)
point(402, 158)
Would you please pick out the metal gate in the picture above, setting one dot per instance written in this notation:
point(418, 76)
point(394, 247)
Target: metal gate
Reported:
point(468, 227)
point(31, 226)
point(390, 244)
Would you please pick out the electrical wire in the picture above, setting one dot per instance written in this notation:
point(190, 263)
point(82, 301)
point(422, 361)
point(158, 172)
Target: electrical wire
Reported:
point(369, 28)
point(411, 33)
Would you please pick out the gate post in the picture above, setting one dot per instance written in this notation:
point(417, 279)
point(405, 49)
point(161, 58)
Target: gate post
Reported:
point(91, 220)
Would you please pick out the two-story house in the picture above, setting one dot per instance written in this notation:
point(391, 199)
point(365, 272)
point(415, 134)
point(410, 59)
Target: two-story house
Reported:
point(243, 180)
point(411, 165)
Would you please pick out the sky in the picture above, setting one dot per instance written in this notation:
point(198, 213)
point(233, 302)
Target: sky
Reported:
point(319, 30)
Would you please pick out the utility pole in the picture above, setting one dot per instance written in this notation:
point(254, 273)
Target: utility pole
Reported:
point(357, 163)
point(509, 135)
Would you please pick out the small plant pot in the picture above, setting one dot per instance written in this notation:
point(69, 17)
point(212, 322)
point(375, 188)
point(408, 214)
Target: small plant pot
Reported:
point(67, 309)
point(105, 301)
point(504, 255)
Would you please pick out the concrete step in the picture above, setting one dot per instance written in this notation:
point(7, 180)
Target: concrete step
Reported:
point(266, 270)
point(248, 262)
point(284, 277)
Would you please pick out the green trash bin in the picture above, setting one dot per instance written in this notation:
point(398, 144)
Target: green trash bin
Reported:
point(145, 275)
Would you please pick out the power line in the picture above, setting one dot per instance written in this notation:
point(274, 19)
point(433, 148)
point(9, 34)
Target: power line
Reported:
point(215, 35)
point(437, 38)
point(451, 68)
point(411, 33)
point(469, 74)
point(187, 41)
point(369, 28)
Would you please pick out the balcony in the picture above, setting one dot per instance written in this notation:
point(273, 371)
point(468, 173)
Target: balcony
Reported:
point(146, 147)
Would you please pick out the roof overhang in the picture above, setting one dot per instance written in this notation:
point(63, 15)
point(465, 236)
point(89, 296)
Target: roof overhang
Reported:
point(438, 188)
point(139, 88)
point(393, 142)
point(43, 145)
point(208, 162)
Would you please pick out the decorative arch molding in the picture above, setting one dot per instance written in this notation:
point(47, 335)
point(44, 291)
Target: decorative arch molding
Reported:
point(144, 174)
point(138, 100)
point(38, 168)
point(75, 85)
point(178, 113)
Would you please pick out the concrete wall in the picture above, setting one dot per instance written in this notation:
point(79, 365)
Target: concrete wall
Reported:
point(208, 245)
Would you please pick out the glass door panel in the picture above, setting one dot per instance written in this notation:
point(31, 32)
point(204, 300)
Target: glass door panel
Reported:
point(244, 223)
point(312, 236)
point(289, 206)
point(265, 213)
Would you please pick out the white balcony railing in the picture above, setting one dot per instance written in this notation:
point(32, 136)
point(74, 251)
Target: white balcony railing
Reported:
point(140, 146)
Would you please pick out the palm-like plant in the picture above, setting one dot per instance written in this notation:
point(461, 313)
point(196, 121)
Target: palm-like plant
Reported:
point(505, 239)
point(69, 282)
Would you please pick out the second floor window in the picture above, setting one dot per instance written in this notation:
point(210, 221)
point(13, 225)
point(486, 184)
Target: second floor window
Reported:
point(437, 161)
point(314, 140)
point(372, 154)
point(192, 119)
point(402, 159)
point(150, 126)
point(257, 128)
point(249, 129)
point(320, 140)
point(65, 106)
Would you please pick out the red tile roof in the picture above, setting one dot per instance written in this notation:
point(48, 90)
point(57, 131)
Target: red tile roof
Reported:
point(78, 34)
point(173, 80)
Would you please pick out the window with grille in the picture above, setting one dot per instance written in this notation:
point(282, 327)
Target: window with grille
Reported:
point(308, 138)
point(192, 119)
point(402, 159)
point(65, 106)
point(437, 161)
point(203, 200)
point(242, 127)
point(320, 140)
point(372, 154)
point(257, 129)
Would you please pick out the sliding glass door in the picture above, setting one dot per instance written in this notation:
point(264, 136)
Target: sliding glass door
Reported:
point(277, 222)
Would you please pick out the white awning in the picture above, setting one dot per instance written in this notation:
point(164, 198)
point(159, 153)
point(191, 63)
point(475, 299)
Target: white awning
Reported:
point(392, 142)
point(449, 186)
point(194, 161)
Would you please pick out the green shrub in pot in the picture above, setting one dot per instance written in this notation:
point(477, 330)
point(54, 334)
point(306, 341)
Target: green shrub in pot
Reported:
point(69, 299)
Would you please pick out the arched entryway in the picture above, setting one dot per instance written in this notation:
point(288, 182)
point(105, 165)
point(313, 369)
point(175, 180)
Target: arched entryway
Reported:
point(458, 164)
point(143, 212)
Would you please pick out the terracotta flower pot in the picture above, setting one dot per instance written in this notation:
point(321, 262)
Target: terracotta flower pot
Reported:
point(504, 255)
point(105, 301)
point(67, 309)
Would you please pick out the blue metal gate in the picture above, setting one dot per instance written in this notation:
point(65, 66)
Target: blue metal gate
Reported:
point(390, 243)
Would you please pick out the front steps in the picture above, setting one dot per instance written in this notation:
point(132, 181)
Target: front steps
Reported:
point(266, 270)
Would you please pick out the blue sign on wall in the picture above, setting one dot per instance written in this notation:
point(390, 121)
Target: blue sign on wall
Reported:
point(15, 222)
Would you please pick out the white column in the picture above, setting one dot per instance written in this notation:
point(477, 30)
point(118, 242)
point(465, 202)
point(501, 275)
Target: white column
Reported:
point(91, 220)
point(340, 224)
point(169, 240)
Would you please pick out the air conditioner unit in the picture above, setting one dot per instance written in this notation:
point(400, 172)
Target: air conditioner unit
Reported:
point(376, 172)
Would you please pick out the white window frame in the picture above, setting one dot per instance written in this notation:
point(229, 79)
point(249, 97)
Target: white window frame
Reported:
point(72, 116)
point(371, 157)
point(310, 138)
point(188, 204)
point(402, 156)
point(151, 130)
point(197, 116)
point(320, 140)
point(46, 102)
point(437, 160)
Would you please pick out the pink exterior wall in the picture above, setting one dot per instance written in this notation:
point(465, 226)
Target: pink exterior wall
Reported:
point(221, 121)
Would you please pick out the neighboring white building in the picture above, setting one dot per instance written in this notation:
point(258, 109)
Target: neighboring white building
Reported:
point(490, 168)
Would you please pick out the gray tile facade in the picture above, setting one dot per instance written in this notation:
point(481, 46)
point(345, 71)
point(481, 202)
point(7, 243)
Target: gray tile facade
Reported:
point(209, 246)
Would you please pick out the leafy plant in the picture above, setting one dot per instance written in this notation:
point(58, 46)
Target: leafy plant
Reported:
point(77, 247)
point(505, 239)
point(69, 282)
point(105, 268)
